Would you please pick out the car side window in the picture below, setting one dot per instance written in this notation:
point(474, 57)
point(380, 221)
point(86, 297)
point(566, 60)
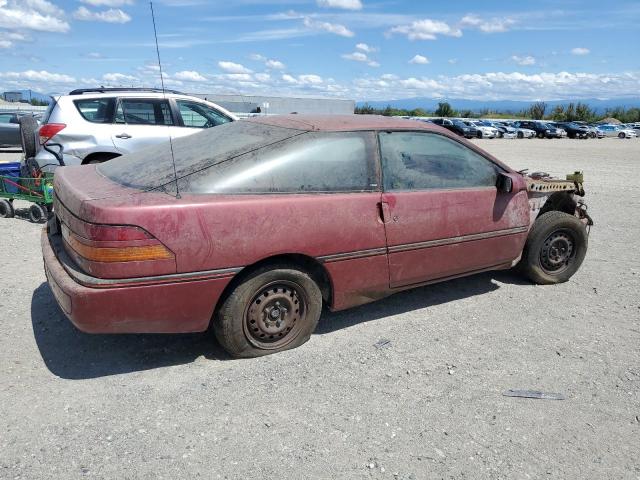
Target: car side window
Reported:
point(422, 161)
point(6, 117)
point(96, 110)
point(311, 162)
point(198, 115)
point(143, 112)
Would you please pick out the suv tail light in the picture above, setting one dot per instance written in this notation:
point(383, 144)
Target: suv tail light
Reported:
point(50, 130)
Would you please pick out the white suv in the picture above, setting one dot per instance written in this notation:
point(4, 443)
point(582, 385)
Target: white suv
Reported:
point(95, 125)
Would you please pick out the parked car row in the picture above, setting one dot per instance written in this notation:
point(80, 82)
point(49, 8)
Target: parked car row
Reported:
point(10, 126)
point(532, 128)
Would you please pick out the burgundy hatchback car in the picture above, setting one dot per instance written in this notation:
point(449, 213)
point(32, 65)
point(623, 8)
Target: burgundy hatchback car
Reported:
point(260, 222)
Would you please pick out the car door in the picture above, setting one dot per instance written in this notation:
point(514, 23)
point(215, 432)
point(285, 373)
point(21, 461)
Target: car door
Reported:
point(443, 213)
point(141, 122)
point(9, 129)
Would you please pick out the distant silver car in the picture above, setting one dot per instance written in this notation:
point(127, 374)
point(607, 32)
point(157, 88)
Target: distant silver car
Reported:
point(617, 131)
point(96, 125)
point(10, 128)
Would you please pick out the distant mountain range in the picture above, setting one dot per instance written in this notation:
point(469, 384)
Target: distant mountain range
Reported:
point(430, 104)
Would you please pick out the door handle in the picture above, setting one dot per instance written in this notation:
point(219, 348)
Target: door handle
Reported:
point(123, 136)
point(383, 212)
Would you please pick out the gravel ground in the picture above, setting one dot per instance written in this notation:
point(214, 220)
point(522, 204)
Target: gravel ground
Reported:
point(429, 404)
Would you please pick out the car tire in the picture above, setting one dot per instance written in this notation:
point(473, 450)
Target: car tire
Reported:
point(621, 135)
point(520, 135)
point(6, 209)
point(38, 213)
point(275, 308)
point(28, 132)
point(479, 135)
point(540, 135)
point(555, 248)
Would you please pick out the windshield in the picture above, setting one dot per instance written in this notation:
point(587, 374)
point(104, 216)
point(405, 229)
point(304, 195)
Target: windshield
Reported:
point(152, 167)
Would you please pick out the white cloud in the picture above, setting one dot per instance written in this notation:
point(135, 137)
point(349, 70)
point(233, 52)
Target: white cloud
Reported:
point(419, 60)
point(453, 61)
point(190, 76)
point(113, 15)
point(38, 76)
point(313, 79)
point(232, 67)
point(5, 43)
point(360, 57)
point(492, 25)
point(275, 64)
point(262, 77)
point(257, 57)
point(344, 4)
point(40, 15)
point(334, 28)
point(119, 78)
point(108, 3)
point(426, 29)
point(289, 79)
point(580, 51)
point(528, 60)
point(366, 48)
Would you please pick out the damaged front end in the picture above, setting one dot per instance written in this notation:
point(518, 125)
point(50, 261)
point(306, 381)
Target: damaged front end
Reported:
point(547, 193)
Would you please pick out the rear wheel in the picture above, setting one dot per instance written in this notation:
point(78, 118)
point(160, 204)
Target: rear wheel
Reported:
point(6, 209)
point(621, 135)
point(38, 213)
point(28, 132)
point(479, 134)
point(520, 135)
point(273, 309)
point(555, 248)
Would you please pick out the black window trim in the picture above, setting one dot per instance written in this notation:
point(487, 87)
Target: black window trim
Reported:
point(498, 167)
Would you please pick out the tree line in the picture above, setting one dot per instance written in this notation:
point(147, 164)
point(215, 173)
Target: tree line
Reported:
point(538, 111)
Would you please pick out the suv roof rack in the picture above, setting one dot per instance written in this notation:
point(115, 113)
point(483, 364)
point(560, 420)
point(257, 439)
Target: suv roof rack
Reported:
point(81, 91)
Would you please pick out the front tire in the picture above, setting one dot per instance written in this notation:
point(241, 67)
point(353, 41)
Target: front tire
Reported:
point(621, 135)
point(479, 135)
point(6, 209)
point(555, 248)
point(38, 213)
point(520, 135)
point(274, 309)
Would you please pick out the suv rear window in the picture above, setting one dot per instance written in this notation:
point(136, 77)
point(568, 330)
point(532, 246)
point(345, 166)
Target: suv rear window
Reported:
point(96, 110)
point(152, 167)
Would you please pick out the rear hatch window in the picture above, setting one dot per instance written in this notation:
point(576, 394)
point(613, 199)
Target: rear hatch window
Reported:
point(152, 167)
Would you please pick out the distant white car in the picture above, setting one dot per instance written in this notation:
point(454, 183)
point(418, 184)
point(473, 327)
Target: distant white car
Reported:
point(96, 125)
point(618, 131)
point(484, 131)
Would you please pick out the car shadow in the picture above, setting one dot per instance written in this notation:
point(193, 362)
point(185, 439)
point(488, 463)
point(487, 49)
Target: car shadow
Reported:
point(71, 354)
point(417, 298)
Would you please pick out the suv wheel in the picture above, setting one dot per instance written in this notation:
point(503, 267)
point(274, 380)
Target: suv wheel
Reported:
point(621, 135)
point(555, 248)
point(274, 309)
point(28, 133)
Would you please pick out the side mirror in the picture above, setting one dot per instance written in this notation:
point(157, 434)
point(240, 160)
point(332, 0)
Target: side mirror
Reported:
point(504, 183)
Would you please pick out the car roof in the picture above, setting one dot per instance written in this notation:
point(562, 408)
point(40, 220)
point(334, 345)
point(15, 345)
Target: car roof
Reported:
point(344, 123)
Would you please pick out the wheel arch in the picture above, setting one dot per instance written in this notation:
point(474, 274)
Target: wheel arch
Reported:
point(298, 261)
point(101, 156)
point(559, 201)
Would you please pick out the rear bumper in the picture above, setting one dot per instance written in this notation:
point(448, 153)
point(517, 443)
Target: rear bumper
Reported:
point(171, 307)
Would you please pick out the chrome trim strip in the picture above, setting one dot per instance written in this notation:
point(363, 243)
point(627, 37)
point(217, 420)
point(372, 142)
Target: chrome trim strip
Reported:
point(352, 255)
point(459, 239)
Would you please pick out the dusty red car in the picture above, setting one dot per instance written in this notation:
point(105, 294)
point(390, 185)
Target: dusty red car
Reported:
point(258, 223)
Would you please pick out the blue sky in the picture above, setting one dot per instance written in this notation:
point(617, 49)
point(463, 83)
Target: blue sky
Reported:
point(358, 49)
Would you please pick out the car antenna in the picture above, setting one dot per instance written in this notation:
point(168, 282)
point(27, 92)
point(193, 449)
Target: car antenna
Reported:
point(164, 95)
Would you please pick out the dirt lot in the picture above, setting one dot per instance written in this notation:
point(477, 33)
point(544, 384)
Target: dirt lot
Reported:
point(428, 405)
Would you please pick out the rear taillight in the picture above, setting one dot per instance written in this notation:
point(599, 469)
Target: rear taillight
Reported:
point(49, 130)
point(110, 244)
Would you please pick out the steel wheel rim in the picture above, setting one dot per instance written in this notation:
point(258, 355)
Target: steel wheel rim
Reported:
point(557, 252)
point(275, 315)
